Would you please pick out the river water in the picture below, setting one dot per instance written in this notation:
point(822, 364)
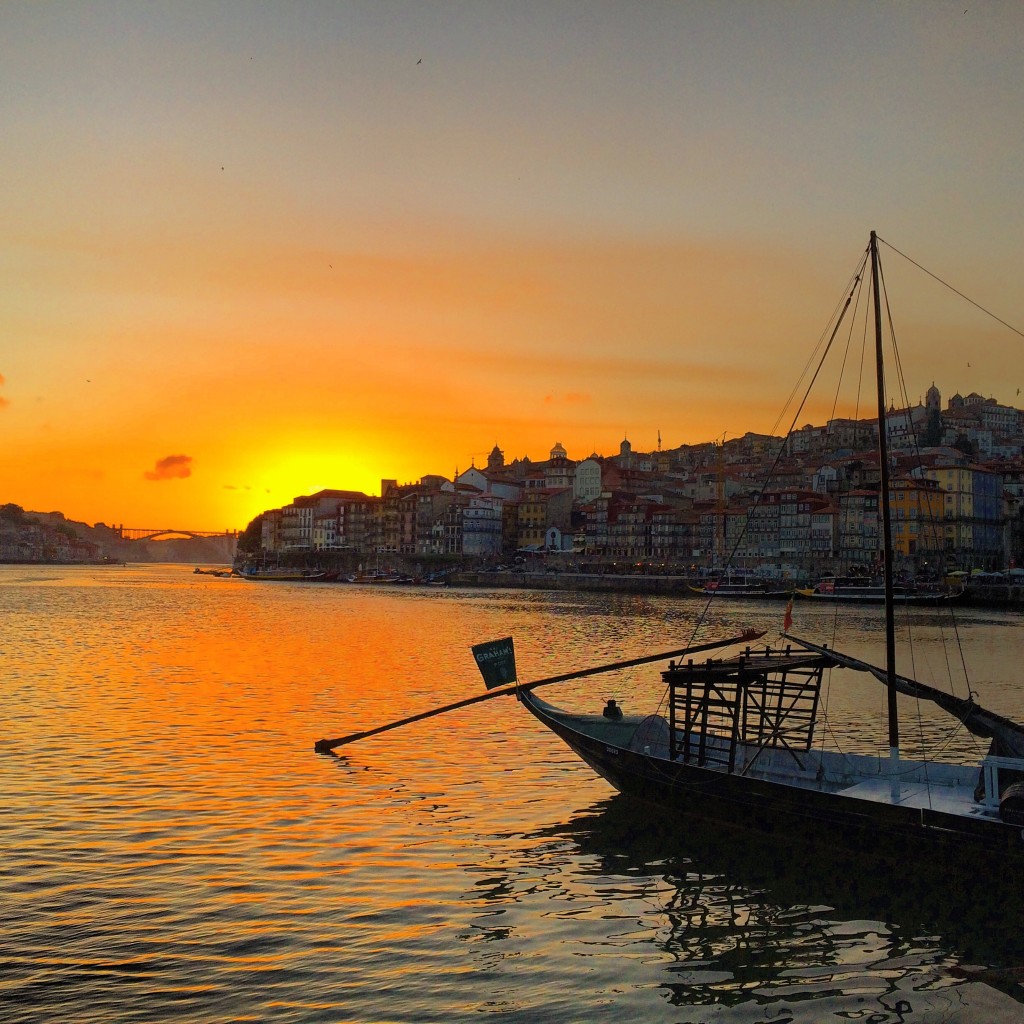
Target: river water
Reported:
point(173, 850)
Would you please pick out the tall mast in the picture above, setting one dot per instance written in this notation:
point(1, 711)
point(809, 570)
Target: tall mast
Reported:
point(883, 484)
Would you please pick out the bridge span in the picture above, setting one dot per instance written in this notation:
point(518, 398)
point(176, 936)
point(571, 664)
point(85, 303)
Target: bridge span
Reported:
point(149, 533)
point(175, 544)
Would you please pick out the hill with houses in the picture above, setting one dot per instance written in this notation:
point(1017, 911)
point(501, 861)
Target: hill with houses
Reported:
point(957, 483)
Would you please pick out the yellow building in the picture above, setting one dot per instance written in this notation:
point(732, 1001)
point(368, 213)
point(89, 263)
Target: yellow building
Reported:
point(918, 517)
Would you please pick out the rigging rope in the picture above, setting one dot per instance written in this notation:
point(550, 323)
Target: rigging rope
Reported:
point(824, 347)
point(955, 291)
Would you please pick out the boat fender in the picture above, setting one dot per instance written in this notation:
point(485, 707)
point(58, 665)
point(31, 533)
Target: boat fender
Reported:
point(612, 710)
point(1011, 804)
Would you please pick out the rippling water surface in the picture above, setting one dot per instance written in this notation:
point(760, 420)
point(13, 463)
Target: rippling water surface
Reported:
point(174, 851)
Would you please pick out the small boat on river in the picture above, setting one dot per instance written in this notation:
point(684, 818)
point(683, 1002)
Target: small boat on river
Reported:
point(287, 575)
point(751, 587)
point(864, 590)
point(380, 577)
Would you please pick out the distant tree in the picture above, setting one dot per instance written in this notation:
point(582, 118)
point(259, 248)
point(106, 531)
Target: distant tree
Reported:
point(1017, 537)
point(68, 531)
point(963, 444)
point(13, 514)
point(932, 436)
point(251, 538)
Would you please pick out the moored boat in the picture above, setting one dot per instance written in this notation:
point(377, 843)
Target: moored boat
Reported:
point(380, 577)
point(285, 575)
point(737, 746)
point(864, 590)
point(747, 586)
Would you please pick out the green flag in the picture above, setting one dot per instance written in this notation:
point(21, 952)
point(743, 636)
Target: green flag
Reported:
point(496, 660)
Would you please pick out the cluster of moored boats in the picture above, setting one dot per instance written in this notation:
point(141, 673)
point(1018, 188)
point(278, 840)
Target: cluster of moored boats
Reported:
point(325, 576)
point(751, 587)
point(830, 588)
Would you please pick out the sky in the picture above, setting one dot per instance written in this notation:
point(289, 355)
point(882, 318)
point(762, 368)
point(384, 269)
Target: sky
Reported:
point(252, 250)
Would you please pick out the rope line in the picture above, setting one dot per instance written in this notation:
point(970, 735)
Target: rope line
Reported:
point(956, 291)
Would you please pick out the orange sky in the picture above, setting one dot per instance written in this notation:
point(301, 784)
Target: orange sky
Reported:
point(250, 252)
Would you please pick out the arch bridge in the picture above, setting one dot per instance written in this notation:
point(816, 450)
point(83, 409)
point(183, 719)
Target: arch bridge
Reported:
point(213, 545)
point(150, 533)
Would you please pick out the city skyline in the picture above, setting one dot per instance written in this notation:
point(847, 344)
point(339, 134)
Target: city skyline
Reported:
point(251, 253)
point(480, 460)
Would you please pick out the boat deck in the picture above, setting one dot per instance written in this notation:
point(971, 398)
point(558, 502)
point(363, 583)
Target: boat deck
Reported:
point(949, 799)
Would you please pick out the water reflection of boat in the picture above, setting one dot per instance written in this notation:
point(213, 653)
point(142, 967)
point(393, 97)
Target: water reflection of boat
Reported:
point(739, 914)
point(737, 741)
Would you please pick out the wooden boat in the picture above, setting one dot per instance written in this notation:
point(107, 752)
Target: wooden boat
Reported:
point(737, 746)
point(863, 590)
point(736, 739)
point(284, 575)
point(747, 587)
point(380, 577)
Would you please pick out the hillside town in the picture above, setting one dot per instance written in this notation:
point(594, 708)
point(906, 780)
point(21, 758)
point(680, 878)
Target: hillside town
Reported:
point(957, 479)
point(50, 538)
point(30, 537)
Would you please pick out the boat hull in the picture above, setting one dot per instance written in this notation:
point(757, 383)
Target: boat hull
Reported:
point(875, 594)
point(748, 593)
point(785, 812)
point(286, 577)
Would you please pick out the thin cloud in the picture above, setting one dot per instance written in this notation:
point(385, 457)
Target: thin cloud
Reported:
point(568, 398)
point(173, 467)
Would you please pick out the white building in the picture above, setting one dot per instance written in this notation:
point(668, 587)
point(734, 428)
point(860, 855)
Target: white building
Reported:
point(586, 485)
point(481, 526)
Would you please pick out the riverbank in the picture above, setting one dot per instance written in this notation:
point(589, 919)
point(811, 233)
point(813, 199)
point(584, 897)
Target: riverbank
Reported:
point(593, 582)
point(62, 561)
point(977, 595)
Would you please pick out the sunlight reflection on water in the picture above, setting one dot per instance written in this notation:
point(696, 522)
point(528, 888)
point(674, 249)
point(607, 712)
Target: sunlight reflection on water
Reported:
point(175, 852)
